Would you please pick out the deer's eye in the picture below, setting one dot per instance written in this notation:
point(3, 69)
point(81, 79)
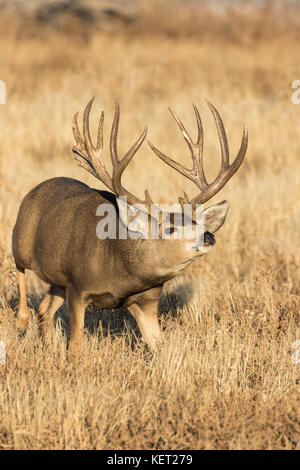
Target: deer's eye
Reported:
point(170, 230)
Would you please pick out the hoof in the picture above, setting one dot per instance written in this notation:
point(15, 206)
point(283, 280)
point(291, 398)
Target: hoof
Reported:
point(21, 332)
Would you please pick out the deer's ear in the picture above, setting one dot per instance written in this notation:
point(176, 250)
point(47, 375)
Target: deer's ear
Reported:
point(214, 216)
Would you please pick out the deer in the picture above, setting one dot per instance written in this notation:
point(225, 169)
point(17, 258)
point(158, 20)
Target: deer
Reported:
point(55, 233)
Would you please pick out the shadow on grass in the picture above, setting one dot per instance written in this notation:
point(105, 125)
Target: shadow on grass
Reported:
point(115, 322)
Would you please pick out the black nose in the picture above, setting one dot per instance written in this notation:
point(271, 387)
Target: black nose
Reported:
point(209, 238)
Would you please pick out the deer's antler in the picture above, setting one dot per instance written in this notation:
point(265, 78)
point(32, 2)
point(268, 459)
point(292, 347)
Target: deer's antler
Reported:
point(90, 157)
point(196, 174)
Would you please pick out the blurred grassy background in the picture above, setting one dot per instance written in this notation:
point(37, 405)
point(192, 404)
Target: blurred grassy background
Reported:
point(224, 377)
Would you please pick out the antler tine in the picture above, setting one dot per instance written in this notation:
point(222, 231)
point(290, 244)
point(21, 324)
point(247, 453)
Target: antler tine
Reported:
point(196, 174)
point(169, 161)
point(76, 133)
point(89, 157)
point(183, 200)
point(86, 126)
point(183, 130)
point(227, 170)
point(200, 128)
point(114, 137)
point(198, 153)
point(79, 149)
point(119, 165)
point(99, 146)
point(221, 133)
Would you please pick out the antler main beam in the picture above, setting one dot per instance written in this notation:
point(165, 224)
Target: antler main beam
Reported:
point(196, 174)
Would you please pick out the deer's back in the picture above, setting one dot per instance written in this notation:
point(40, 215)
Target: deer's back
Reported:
point(55, 231)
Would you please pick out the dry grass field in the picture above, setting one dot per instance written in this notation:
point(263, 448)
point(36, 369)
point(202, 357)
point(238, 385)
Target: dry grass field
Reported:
point(223, 377)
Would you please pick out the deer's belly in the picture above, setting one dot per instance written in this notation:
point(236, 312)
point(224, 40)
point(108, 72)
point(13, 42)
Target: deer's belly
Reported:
point(106, 300)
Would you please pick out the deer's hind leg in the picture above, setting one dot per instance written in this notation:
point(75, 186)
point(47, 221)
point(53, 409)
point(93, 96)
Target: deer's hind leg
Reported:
point(23, 312)
point(147, 321)
point(54, 299)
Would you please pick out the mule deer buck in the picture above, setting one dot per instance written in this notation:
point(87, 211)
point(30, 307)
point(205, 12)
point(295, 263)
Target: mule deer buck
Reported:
point(55, 234)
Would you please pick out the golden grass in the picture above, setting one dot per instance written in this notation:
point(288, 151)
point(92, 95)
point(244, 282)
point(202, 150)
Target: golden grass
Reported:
point(223, 377)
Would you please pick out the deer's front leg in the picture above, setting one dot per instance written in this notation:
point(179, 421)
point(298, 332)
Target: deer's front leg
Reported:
point(76, 307)
point(146, 317)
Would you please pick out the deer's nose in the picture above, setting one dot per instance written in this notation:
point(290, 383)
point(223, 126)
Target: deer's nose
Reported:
point(209, 238)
